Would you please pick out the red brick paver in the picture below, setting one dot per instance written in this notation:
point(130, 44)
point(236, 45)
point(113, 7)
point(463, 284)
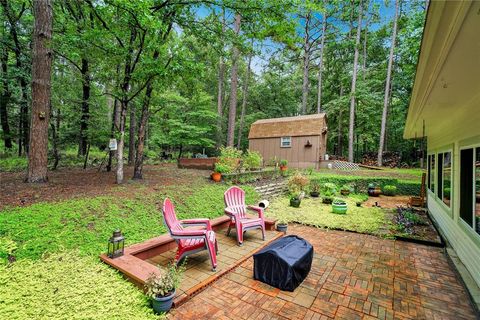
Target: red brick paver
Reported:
point(353, 276)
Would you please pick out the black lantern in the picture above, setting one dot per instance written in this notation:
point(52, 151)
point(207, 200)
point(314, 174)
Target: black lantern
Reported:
point(116, 245)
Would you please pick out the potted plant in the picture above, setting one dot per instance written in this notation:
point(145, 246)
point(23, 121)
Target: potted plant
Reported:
point(161, 287)
point(314, 188)
point(219, 169)
point(283, 165)
point(327, 197)
point(389, 190)
point(374, 190)
point(295, 201)
point(339, 206)
point(282, 222)
point(346, 189)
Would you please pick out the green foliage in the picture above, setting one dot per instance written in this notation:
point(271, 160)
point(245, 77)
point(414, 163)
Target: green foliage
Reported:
point(404, 187)
point(283, 162)
point(366, 220)
point(252, 160)
point(229, 159)
point(65, 285)
point(163, 284)
point(315, 185)
point(222, 168)
point(7, 248)
point(329, 188)
point(389, 190)
point(13, 163)
point(297, 183)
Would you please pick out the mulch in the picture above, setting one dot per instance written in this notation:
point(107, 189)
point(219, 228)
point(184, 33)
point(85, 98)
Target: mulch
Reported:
point(69, 183)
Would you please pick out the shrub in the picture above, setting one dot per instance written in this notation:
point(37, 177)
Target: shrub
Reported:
point(252, 160)
point(329, 189)
point(229, 159)
point(389, 190)
point(297, 183)
point(222, 168)
point(404, 187)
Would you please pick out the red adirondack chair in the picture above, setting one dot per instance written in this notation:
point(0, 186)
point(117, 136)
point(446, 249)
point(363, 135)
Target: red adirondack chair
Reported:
point(237, 211)
point(189, 240)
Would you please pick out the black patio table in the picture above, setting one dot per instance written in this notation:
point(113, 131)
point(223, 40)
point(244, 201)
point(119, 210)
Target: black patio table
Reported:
point(284, 263)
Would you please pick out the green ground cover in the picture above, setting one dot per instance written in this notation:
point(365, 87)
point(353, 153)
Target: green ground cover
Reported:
point(46, 238)
point(313, 212)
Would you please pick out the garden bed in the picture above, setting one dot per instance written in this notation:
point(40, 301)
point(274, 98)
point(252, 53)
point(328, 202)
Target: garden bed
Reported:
point(414, 225)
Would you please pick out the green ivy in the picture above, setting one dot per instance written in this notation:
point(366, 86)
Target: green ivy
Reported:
point(66, 285)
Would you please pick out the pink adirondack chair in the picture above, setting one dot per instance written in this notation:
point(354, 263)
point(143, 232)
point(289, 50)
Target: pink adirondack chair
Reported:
point(190, 241)
point(237, 211)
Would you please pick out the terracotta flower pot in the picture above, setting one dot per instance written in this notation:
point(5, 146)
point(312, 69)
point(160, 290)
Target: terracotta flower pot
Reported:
point(216, 176)
point(283, 168)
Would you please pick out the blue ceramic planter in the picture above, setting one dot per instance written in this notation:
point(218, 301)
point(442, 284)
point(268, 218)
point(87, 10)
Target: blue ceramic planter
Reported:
point(163, 304)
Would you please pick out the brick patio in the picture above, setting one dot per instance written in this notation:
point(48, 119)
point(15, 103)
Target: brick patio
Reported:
point(353, 276)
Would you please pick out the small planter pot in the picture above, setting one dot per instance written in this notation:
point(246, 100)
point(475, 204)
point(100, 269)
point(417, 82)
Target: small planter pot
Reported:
point(295, 202)
point(340, 208)
point(374, 192)
point(163, 304)
point(345, 192)
point(327, 200)
point(283, 168)
point(216, 176)
point(282, 227)
point(314, 194)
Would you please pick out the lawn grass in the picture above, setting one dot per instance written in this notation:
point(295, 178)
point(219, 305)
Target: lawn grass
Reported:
point(313, 212)
point(57, 273)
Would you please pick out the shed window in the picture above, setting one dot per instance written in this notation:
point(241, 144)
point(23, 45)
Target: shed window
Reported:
point(285, 142)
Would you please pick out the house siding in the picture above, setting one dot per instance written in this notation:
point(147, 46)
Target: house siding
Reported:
point(459, 235)
point(298, 156)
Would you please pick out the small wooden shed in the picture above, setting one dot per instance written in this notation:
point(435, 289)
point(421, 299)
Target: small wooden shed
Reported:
point(302, 140)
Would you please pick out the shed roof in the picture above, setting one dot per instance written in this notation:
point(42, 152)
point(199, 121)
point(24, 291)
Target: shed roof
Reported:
point(309, 125)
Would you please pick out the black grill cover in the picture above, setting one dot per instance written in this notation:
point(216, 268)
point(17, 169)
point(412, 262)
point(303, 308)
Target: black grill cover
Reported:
point(284, 263)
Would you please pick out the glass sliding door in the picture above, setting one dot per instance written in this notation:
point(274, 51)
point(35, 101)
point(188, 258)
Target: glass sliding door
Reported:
point(466, 186)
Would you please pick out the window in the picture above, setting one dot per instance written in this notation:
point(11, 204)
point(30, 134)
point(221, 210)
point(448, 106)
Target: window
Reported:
point(466, 185)
point(477, 191)
point(429, 160)
point(447, 178)
point(431, 177)
point(440, 175)
point(470, 187)
point(285, 142)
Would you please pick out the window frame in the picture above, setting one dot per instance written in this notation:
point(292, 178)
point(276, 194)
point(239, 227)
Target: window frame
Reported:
point(282, 139)
point(470, 227)
point(449, 207)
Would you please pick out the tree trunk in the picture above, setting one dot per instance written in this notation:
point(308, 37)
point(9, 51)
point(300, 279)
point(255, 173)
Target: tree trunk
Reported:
point(137, 171)
point(131, 135)
point(364, 62)
point(340, 128)
point(232, 113)
point(351, 127)
point(115, 124)
point(83, 140)
point(121, 142)
point(306, 64)
point(244, 103)
point(320, 65)
point(4, 99)
point(387, 87)
point(41, 77)
point(142, 129)
point(220, 93)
